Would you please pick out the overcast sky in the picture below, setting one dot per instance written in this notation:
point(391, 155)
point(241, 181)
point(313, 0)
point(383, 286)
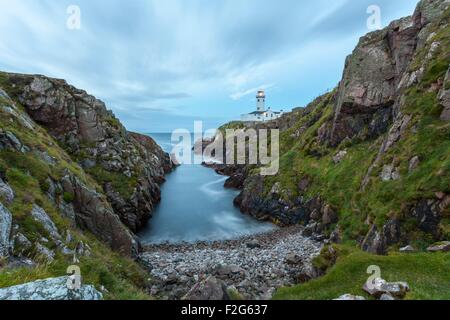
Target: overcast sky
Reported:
point(161, 64)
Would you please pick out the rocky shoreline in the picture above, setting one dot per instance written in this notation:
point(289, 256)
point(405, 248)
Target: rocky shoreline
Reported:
point(251, 267)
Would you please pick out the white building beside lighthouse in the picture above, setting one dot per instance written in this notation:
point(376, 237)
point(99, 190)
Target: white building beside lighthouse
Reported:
point(261, 114)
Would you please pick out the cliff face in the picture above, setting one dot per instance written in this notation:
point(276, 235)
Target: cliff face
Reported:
point(369, 161)
point(128, 166)
point(87, 168)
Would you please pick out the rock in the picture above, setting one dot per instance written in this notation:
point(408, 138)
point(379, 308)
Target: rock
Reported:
point(329, 216)
point(428, 214)
point(253, 244)
point(21, 244)
point(49, 289)
point(380, 286)
point(39, 215)
point(414, 163)
point(8, 141)
point(386, 174)
point(293, 259)
point(315, 215)
point(6, 192)
point(444, 98)
point(340, 156)
point(96, 138)
point(45, 253)
point(94, 213)
point(377, 242)
point(20, 262)
point(408, 249)
point(387, 297)
point(350, 297)
point(209, 289)
point(390, 173)
point(228, 270)
point(440, 247)
point(276, 189)
point(5, 230)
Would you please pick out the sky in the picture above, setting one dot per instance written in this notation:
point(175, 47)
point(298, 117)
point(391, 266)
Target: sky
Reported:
point(160, 65)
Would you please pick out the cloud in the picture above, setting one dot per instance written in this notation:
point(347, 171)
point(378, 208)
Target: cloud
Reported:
point(241, 94)
point(187, 58)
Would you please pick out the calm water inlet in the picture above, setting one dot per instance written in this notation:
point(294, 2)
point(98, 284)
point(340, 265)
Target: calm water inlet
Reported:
point(196, 207)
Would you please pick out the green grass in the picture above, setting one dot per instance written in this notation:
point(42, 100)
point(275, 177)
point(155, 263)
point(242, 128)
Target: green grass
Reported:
point(122, 184)
point(427, 274)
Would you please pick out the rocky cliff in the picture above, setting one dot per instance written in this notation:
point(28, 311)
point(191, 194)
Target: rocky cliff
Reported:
point(127, 165)
point(74, 185)
point(368, 161)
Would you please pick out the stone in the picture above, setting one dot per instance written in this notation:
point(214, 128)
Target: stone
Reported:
point(414, 163)
point(350, 297)
point(379, 286)
point(329, 216)
point(440, 247)
point(293, 259)
point(228, 270)
point(408, 249)
point(39, 215)
point(50, 289)
point(387, 297)
point(21, 244)
point(428, 214)
point(8, 141)
point(5, 230)
point(390, 173)
point(45, 253)
point(315, 215)
point(444, 98)
point(253, 244)
point(340, 156)
point(6, 193)
point(276, 189)
point(210, 289)
point(94, 213)
point(386, 174)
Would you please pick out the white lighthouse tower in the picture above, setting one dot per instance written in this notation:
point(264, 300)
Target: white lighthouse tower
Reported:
point(261, 101)
point(261, 114)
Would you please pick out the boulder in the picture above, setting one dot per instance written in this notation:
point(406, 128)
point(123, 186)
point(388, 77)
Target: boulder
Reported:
point(21, 244)
point(209, 289)
point(50, 289)
point(6, 192)
point(350, 297)
point(340, 156)
point(253, 244)
point(229, 270)
point(440, 247)
point(444, 97)
point(45, 253)
point(414, 163)
point(408, 249)
point(379, 286)
point(377, 242)
point(293, 258)
point(5, 230)
point(387, 297)
point(8, 141)
point(39, 215)
point(93, 213)
point(329, 216)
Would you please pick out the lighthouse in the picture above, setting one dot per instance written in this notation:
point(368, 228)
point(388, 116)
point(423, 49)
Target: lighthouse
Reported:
point(261, 114)
point(261, 101)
